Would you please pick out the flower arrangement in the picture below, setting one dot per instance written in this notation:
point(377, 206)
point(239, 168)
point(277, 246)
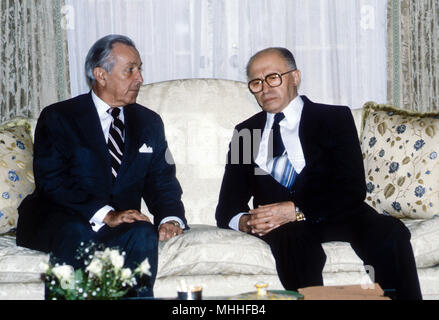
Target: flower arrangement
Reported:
point(102, 278)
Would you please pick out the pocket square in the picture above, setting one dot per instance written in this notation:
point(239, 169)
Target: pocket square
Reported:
point(145, 149)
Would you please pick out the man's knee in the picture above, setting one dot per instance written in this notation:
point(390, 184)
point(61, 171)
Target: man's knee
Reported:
point(144, 234)
point(397, 230)
point(66, 241)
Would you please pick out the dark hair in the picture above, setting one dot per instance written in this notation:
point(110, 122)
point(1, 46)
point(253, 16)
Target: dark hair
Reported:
point(99, 55)
point(284, 52)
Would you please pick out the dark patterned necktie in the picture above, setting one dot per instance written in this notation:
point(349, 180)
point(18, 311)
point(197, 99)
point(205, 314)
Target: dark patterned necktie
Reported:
point(281, 168)
point(115, 141)
point(278, 145)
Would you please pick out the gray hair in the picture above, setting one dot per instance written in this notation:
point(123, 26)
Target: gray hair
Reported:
point(99, 55)
point(283, 52)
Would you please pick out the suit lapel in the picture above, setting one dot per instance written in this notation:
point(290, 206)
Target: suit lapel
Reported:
point(89, 124)
point(305, 125)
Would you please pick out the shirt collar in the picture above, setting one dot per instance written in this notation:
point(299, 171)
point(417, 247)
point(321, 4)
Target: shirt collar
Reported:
point(292, 113)
point(102, 106)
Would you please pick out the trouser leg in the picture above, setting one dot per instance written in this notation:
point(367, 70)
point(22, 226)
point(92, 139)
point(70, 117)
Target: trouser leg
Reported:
point(139, 241)
point(383, 242)
point(299, 257)
point(70, 232)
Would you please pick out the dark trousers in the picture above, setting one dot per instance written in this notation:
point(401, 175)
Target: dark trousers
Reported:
point(382, 242)
point(139, 240)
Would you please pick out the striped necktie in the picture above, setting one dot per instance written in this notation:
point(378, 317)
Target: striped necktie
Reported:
point(281, 168)
point(115, 141)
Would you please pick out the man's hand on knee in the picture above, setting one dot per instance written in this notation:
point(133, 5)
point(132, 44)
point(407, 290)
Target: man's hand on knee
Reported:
point(116, 218)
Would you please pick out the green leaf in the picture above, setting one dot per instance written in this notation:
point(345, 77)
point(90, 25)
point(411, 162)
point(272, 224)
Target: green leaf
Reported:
point(430, 131)
point(382, 127)
point(389, 190)
point(400, 181)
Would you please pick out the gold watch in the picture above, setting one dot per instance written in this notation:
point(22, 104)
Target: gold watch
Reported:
point(299, 215)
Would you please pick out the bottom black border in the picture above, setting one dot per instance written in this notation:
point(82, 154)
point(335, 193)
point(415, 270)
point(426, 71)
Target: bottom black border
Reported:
point(220, 309)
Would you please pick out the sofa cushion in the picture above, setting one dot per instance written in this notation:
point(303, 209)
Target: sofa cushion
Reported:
point(401, 159)
point(425, 241)
point(16, 170)
point(199, 117)
point(18, 264)
point(204, 250)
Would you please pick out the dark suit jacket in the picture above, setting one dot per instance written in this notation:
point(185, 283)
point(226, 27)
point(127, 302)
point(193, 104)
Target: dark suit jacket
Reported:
point(72, 169)
point(331, 184)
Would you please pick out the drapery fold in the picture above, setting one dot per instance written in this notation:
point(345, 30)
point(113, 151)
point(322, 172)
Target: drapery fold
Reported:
point(33, 52)
point(338, 45)
point(413, 54)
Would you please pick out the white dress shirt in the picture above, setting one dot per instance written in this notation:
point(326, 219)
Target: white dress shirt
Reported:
point(289, 130)
point(97, 221)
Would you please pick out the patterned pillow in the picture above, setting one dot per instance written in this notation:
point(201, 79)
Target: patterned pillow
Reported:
point(400, 151)
point(16, 170)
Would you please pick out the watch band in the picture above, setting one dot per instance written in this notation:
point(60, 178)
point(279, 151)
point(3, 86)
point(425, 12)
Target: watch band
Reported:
point(299, 215)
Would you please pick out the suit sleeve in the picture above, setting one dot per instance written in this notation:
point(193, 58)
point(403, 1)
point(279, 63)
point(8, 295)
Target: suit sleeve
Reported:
point(54, 182)
point(347, 160)
point(162, 191)
point(235, 192)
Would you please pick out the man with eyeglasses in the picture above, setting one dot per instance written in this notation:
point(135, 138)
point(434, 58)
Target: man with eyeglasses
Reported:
point(307, 180)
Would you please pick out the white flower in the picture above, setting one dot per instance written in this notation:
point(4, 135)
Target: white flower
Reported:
point(63, 272)
point(144, 267)
point(126, 273)
point(95, 267)
point(67, 284)
point(117, 260)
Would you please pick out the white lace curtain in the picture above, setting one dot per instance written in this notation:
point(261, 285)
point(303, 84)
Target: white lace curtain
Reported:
point(340, 45)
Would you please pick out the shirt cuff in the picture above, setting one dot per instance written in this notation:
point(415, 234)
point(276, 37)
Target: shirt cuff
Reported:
point(234, 222)
point(180, 222)
point(97, 221)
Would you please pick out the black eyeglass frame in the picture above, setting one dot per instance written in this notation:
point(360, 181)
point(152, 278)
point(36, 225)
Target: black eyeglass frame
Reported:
point(265, 80)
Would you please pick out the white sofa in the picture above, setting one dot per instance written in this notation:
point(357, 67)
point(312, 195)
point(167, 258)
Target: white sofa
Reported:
point(199, 117)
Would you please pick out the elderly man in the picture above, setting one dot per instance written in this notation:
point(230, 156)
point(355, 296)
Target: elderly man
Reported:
point(95, 157)
point(307, 181)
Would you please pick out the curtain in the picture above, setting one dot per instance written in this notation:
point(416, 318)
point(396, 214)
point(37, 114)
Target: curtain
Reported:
point(340, 45)
point(33, 53)
point(413, 55)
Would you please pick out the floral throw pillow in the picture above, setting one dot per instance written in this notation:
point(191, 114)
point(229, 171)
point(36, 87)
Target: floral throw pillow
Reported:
point(16, 170)
point(400, 151)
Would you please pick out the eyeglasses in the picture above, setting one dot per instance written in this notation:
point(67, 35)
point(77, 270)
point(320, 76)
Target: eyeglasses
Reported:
point(272, 79)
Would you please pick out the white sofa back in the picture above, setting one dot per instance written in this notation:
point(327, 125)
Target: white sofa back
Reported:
point(199, 116)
